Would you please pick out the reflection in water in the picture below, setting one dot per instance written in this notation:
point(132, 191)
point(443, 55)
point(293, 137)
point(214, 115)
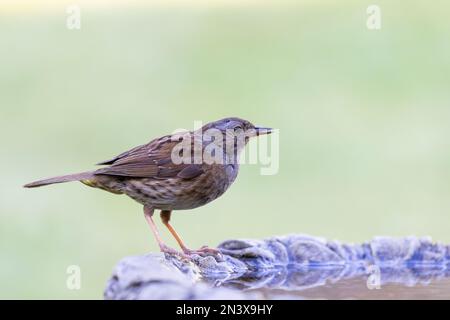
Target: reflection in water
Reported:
point(303, 266)
point(348, 282)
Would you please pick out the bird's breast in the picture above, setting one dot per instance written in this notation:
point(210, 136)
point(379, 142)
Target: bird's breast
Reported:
point(179, 194)
point(208, 186)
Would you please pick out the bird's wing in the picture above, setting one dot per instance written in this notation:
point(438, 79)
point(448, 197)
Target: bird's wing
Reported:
point(152, 160)
point(135, 150)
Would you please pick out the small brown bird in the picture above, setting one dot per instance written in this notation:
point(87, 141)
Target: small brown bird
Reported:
point(174, 172)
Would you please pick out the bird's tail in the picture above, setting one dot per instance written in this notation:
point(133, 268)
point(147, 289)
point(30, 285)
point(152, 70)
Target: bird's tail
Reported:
point(61, 179)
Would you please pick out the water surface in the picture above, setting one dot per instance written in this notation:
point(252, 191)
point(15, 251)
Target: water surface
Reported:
point(348, 282)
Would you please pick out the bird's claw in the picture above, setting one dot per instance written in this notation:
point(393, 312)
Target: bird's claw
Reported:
point(187, 253)
point(166, 249)
point(205, 251)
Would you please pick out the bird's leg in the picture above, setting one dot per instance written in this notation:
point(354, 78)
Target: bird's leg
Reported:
point(148, 213)
point(165, 218)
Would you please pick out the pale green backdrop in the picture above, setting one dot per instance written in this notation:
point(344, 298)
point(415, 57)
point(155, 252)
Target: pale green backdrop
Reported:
point(364, 119)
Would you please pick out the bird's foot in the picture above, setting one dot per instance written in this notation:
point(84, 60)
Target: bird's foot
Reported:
point(204, 251)
point(187, 253)
point(166, 249)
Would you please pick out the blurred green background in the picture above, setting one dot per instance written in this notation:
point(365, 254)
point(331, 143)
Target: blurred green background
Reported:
point(364, 119)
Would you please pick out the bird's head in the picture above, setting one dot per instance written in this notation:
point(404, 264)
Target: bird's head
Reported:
point(237, 126)
point(234, 131)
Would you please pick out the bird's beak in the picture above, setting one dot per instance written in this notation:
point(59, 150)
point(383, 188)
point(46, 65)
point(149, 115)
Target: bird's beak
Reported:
point(261, 131)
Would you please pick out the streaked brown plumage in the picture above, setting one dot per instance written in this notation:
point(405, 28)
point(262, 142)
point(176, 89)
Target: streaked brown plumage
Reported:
point(149, 175)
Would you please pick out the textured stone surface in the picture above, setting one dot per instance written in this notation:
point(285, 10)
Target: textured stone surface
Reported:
point(286, 262)
point(155, 277)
